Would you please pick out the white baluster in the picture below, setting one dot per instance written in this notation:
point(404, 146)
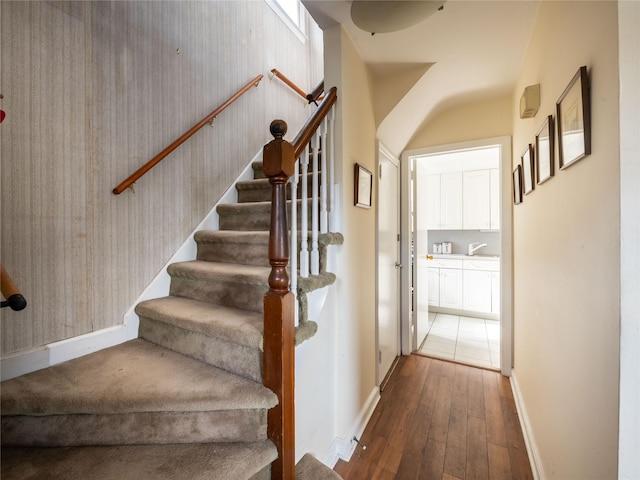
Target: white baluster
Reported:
point(323, 180)
point(331, 164)
point(315, 254)
point(304, 216)
point(293, 238)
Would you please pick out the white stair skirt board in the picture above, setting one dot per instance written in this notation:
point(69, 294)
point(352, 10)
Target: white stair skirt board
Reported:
point(21, 363)
point(343, 448)
point(525, 425)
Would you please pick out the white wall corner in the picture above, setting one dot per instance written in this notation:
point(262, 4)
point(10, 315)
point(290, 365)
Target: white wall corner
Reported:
point(525, 425)
point(343, 448)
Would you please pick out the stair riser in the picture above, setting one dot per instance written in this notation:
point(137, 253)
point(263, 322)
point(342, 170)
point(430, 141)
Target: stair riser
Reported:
point(228, 252)
point(262, 193)
point(234, 358)
point(217, 290)
point(146, 428)
point(256, 219)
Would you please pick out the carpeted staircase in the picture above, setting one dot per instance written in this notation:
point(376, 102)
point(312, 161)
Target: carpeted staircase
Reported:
point(183, 401)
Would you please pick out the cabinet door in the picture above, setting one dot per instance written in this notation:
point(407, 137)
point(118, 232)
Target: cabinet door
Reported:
point(495, 292)
point(434, 287)
point(495, 199)
point(431, 197)
point(476, 200)
point(477, 292)
point(450, 288)
point(451, 201)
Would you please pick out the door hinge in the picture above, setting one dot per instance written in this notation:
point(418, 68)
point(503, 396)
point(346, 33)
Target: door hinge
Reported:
point(379, 356)
point(380, 171)
point(398, 237)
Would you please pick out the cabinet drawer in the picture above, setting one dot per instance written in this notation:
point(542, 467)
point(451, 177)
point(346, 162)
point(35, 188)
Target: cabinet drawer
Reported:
point(488, 265)
point(445, 263)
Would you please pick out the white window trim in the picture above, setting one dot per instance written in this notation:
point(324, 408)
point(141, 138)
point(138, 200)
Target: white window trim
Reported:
point(297, 28)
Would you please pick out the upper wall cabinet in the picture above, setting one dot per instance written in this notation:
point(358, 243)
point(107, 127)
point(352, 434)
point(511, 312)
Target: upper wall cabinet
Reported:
point(495, 199)
point(476, 200)
point(443, 200)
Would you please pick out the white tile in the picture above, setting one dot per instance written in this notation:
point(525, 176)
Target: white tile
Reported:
point(446, 319)
point(441, 347)
point(472, 333)
point(470, 352)
point(441, 355)
point(473, 343)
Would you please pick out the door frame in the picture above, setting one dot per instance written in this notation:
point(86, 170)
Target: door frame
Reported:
point(408, 328)
point(381, 150)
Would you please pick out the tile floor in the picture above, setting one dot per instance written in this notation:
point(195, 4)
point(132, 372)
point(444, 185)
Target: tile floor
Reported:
point(474, 341)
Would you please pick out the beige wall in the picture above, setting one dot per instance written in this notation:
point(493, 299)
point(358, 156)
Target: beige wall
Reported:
point(566, 254)
point(92, 90)
point(355, 293)
point(484, 119)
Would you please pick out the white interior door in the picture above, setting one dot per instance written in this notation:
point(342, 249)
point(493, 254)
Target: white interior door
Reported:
point(428, 192)
point(389, 267)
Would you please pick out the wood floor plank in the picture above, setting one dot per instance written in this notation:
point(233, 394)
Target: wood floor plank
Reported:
point(456, 450)
point(414, 450)
point(499, 464)
point(493, 409)
point(476, 393)
point(519, 460)
point(477, 459)
point(433, 460)
point(442, 409)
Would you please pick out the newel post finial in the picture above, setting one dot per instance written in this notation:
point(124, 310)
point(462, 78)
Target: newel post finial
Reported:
point(278, 129)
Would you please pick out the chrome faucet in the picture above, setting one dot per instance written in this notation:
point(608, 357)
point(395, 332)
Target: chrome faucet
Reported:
point(475, 246)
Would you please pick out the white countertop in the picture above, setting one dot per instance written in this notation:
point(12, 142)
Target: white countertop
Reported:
point(462, 256)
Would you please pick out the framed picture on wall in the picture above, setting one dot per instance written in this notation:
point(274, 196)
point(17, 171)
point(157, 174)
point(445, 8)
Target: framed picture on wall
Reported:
point(573, 114)
point(517, 185)
point(544, 151)
point(527, 161)
point(363, 180)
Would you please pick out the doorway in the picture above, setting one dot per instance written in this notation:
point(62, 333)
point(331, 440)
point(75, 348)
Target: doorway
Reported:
point(456, 295)
point(388, 261)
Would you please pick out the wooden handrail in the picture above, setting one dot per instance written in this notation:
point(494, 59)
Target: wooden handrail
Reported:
point(314, 95)
point(288, 82)
point(209, 118)
point(314, 121)
point(11, 292)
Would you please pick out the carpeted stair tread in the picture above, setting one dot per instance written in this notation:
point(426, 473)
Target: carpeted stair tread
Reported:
point(243, 327)
point(135, 376)
point(232, 461)
point(310, 468)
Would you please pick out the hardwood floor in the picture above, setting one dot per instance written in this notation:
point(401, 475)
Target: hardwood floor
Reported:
point(440, 420)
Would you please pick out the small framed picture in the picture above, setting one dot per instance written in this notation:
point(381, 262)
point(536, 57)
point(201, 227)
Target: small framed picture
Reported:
point(517, 185)
point(573, 114)
point(362, 187)
point(527, 160)
point(544, 151)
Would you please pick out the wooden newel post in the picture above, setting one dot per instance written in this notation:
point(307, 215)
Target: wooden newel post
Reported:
point(279, 330)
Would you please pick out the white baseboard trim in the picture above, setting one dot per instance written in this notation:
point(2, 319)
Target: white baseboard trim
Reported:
point(343, 448)
point(21, 363)
point(51, 354)
point(525, 424)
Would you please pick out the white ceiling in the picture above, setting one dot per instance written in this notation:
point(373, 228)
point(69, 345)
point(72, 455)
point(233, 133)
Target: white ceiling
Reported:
point(471, 50)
